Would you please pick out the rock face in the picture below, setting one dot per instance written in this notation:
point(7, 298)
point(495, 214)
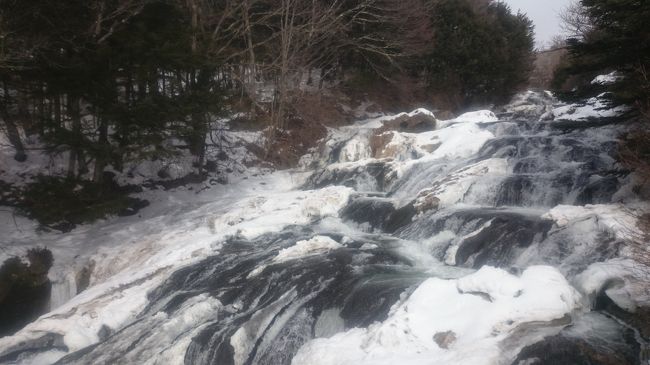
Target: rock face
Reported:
point(386, 143)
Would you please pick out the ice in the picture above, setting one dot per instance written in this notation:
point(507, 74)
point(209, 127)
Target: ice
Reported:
point(475, 313)
point(450, 189)
point(621, 279)
point(356, 149)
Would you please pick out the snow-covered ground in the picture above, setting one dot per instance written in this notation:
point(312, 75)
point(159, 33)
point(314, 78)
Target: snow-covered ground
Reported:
point(474, 184)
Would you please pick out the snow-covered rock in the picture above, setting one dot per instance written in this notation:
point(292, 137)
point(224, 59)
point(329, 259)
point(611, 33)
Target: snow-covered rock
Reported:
point(480, 310)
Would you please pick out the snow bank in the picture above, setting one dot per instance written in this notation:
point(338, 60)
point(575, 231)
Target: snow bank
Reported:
point(608, 79)
point(459, 321)
point(478, 116)
point(455, 141)
point(614, 218)
point(315, 246)
point(271, 213)
point(623, 281)
point(596, 107)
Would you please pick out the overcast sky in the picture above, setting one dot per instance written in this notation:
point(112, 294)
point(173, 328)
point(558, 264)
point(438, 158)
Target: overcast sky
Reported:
point(544, 13)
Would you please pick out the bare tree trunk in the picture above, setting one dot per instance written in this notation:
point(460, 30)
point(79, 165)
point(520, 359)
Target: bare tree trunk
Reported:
point(101, 158)
point(14, 137)
point(251, 57)
point(75, 117)
point(12, 130)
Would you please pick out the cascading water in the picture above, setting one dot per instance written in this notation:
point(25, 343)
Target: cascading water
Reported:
point(383, 270)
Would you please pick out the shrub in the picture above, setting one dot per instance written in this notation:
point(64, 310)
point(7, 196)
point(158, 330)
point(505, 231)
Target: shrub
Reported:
point(61, 203)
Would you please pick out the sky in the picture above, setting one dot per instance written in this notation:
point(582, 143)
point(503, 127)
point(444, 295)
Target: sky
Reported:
point(544, 13)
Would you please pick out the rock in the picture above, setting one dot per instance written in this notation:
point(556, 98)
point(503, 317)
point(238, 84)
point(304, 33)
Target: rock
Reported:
point(104, 332)
point(20, 156)
point(378, 143)
point(426, 203)
point(82, 278)
point(416, 123)
point(445, 339)
point(211, 166)
point(393, 145)
point(24, 290)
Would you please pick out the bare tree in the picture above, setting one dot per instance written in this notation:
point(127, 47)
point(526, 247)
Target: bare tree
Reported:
point(575, 21)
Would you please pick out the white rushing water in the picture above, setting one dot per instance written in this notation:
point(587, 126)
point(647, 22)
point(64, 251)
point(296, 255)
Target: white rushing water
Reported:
point(459, 245)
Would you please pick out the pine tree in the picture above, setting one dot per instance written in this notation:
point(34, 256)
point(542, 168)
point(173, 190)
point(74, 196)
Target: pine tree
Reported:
point(481, 54)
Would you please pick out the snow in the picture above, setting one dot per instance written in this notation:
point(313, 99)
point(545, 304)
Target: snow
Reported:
point(457, 140)
point(480, 310)
point(478, 116)
point(596, 107)
point(315, 246)
point(476, 313)
point(622, 279)
point(608, 79)
point(451, 188)
point(262, 214)
point(133, 255)
point(615, 218)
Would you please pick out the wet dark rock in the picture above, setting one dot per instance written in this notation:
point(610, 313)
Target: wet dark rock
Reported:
point(562, 349)
point(400, 218)
point(211, 166)
point(444, 339)
point(47, 342)
point(104, 332)
point(20, 156)
point(599, 191)
point(192, 178)
point(373, 211)
point(514, 189)
point(349, 177)
point(499, 242)
point(301, 289)
point(24, 290)
point(638, 319)
point(82, 278)
point(134, 206)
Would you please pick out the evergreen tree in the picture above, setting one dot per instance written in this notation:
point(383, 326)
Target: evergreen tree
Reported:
point(481, 55)
point(618, 40)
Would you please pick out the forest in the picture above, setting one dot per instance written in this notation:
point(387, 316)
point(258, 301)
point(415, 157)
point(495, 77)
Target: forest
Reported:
point(318, 182)
point(105, 83)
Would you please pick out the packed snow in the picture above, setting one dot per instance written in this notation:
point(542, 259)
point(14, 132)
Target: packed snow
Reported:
point(499, 303)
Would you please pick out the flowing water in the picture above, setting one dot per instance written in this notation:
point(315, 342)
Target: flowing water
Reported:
point(481, 191)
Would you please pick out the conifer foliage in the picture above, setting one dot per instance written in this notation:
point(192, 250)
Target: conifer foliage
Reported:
point(615, 37)
point(106, 82)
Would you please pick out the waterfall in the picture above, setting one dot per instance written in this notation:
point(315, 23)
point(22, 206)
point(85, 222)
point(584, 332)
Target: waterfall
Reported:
point(487, 239)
